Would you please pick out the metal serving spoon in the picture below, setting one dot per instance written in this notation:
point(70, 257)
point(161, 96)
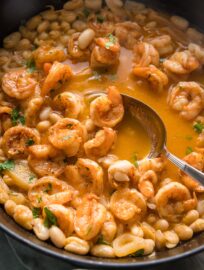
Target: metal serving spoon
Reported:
point(154, 126)
point(156, 130)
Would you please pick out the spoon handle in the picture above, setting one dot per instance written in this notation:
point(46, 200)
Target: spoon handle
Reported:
point(185, 167)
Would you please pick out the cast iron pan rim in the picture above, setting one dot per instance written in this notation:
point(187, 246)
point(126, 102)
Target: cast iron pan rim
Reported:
point(100, 264)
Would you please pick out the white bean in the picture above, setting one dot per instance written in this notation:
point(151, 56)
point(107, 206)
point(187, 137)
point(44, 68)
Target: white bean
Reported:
point(79, 26)
point(183, 231)
point(23, 216)
point(86, 38)
point(198, 225)
point(149, 246)
point(77, 245)
point(194, 35)
point(9, 207)
point(33, 23)
point(44, 114)
point(12, 40)
point(94, 5)
point(57, 237)
point(24, 44)
point(172, 239)
point(43, 125)
point(40, 230)
point(43, 26)
point(180, 22)
point(49, 15)
point(104, 251)
point(68, 16)
point(73, 4)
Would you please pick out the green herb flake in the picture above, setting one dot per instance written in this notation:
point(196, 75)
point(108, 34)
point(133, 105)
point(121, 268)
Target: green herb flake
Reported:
point(198, 127)
point(50, 218)
point(31, 178)
point(49, 188)
point(36, 212)
point(17, 117)
point(30, 65)
point(101, 241)
point(39, 199)
point(189, 150)
point(135, 160)
point(138, 253)
point(86, 12)
point(30, 142)
point(111, 42)
point(7, 165)
point(100, 19)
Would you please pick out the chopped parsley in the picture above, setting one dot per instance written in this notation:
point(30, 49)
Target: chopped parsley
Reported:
point(30, 142)
point(49, 188)
point(100, 19)
point(36, 212)
point(7, 165)
point(101, 241)
point(30, 65)
point(135, 160)
point(17, 117)
point(31, 178)
point(111, 42)
point(198, 127)
point(50, 218)
point(189, 150)
point(138, 253)
point(86, 12)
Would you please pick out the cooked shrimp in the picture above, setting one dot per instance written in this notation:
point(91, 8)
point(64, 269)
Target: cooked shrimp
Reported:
point(102, 29)
point(153, 75)
point(147, 182)
point(122, 172)
point(101, 144)
point(196, 160)
point(106, 161)
point(90, 217)
point(19, 84)
point(16, 140)
point(107, 110)
point(105, 53)
point(64, 216)
point(154, 164)
point(145, 54)
point(181, 63)
point(43, 167)
point(128, 204)
point(163, 44)
point(43, 151)
point(68, 135)
point(48, 54)
point(109, 229)
point(186, 98)
point(173, 200)
point(5, 110)
point(87, 175)
point(127, 33)
point(32, 110)
point(70, 103)
point(58, 73)
point(197, 51)
point(74, 51)
point(50, 190)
